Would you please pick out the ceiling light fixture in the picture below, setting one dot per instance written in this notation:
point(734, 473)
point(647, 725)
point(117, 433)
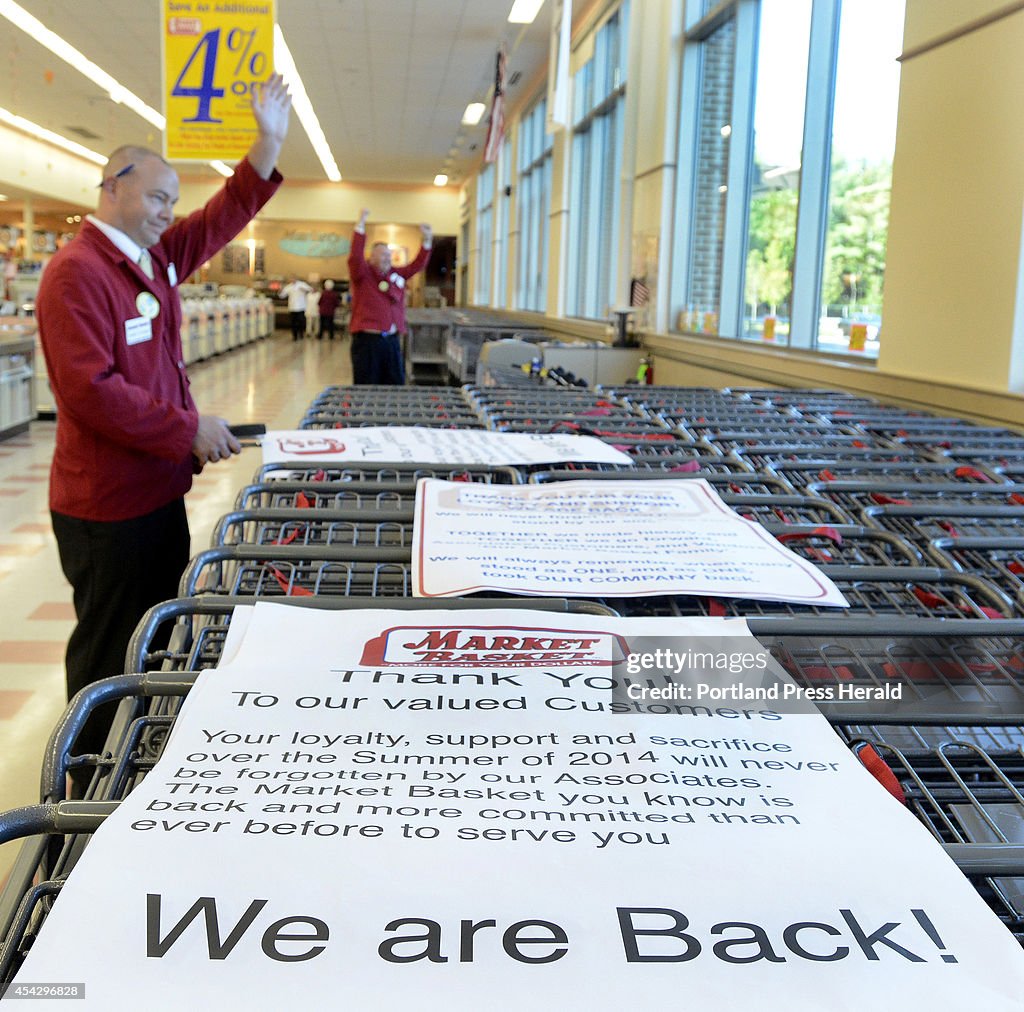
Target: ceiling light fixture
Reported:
point(285, 66)
point(34, 130)
point(33, 27)
point(524, 11)
point(440, 179)
point(474, 113)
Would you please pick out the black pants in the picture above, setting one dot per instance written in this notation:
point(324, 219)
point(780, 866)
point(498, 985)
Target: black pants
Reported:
point(117, 570)
point(326, 327)
point(298, 319)
point(377, 358)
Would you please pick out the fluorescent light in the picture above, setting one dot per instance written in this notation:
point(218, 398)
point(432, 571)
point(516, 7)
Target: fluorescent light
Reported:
point(20, 17)
point(224, 170)
point(3, 197)
point(285, 66)
point(524, 11)
point(440, 179)
point(726, 130)
point(28, 127)
point(474, 113)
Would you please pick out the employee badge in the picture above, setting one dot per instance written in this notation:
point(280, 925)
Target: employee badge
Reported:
point(383, 286)
point(147, 305)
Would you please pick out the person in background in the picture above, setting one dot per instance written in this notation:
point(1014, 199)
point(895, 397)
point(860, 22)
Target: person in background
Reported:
point(10, 274)
point(312, 313)
point(296, 292)
point(378, 307)
point(329, 300)
point(129, 436)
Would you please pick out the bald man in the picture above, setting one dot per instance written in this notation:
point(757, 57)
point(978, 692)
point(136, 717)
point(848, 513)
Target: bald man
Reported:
point(378, 307)
point(129, 435)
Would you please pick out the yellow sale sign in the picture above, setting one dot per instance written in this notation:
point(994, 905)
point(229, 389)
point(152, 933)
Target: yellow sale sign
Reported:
point(214, 52)
point(858, 336)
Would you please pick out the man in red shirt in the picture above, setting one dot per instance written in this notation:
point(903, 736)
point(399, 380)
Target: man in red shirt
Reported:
point(378, 307)
point(129, 435)
point(327, 306)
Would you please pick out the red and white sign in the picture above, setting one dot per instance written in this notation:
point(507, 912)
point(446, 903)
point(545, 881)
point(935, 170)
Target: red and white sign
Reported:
point(459, 646)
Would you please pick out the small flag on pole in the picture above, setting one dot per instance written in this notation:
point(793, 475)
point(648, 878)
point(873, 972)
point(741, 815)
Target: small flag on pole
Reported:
point(639, 293)
point(496, 121)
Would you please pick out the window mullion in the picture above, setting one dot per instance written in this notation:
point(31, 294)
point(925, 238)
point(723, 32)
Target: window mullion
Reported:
point(737, 197)
point(812, 213)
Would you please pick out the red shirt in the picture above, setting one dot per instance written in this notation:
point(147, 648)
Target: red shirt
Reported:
point(125, 416)
point(374, 308)
point(329, 299)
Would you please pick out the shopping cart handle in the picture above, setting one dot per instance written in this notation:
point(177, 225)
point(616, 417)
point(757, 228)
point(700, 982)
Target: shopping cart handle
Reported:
point(247, 430)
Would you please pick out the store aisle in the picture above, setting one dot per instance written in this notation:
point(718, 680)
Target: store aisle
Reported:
point(272, 381)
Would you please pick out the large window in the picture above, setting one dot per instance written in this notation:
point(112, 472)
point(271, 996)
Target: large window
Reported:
point(782, 46)
point(484, 234)
point(860, 180)
point(599, 87)
point(787, 130)
point(502, 225)
point(714, 130)
point(534, 209)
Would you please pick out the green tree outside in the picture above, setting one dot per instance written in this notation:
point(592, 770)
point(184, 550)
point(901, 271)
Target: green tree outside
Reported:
point(854, 269)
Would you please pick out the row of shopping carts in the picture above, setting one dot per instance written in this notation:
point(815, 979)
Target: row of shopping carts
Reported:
point(915, 518)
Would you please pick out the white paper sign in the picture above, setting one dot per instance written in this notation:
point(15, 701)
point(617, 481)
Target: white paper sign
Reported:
point(606, 539)
point(420, 445)
point(353, 831)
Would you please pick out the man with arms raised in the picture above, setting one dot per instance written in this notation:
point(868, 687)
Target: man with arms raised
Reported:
point(129, 435)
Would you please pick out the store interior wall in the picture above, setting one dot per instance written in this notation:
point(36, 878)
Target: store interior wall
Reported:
point(952, 284)
point(954, 255)
point(275, 237)
point(953, 307)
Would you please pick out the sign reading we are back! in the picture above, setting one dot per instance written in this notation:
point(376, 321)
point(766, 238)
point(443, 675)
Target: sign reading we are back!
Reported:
point(214, 53)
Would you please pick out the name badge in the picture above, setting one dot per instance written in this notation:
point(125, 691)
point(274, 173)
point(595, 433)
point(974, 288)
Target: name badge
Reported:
point(147, 305)
point(398, 280)
point(138, 330)
point(172, 275)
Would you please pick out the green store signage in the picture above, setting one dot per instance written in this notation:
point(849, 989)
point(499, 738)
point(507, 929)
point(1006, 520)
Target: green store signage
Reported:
point(315, 244)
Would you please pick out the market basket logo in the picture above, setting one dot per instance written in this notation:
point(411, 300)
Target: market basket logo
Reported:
point(311, 445)
point(508, 646)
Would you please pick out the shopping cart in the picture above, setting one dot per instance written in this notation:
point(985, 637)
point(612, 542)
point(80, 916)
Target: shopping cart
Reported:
point(385, 474)
point(370, 526)
point(33, 886)
point(856, 495)
point(1000, 560)
point(739, 483)
point(877, 591)
point(922, 524)
point(801, 473)
point(778, 456)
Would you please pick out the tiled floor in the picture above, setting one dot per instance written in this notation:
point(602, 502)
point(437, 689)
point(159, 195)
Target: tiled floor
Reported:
point(272, 382)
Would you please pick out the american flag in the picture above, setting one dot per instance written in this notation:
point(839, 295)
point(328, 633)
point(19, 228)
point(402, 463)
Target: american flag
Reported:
point(639, 293)
point(496, 121)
